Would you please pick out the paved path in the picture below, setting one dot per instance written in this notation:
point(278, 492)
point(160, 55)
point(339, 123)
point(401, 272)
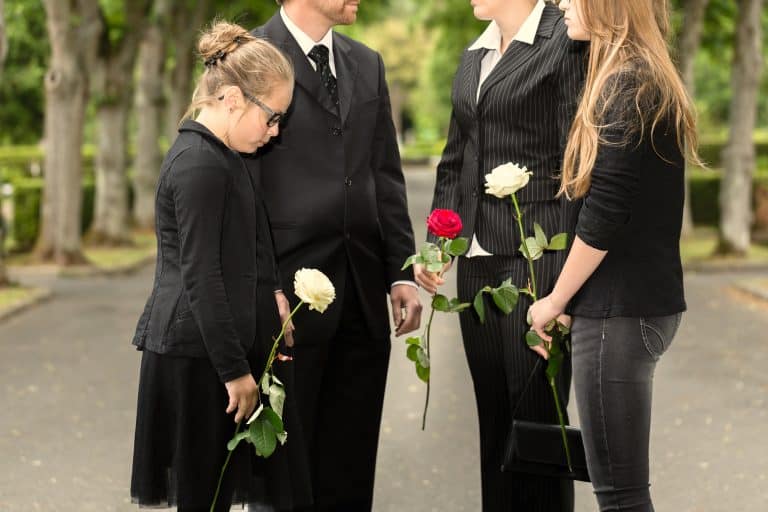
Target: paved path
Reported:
point(68, 384)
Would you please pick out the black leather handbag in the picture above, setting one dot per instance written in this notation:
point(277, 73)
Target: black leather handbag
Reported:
point(537, 448)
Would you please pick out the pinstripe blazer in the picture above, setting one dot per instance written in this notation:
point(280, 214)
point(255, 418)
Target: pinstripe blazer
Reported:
point(523, 114)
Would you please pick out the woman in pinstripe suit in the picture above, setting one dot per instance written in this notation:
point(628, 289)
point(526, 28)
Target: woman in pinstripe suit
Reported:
point(514, 96)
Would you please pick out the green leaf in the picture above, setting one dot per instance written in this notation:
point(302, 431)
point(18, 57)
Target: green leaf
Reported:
point(479, 304)
point(413, 340)
point(276, 380)
point(232, 444)
point(564, 329)
point(435, 266)
point(423, 358)
point(541, 238)
point(423, 373)
point(277, 398)
point(273, 419)
point(456, 306)
point(501, 302)
point(430, 253)
point(533, 339)
point(263, 437)
point(554, 363)
point(559, 242)
point(416, 258)
point(411, 353)
point(282, 437)
point(457, 246)
point(534, 249)
point(510, 294)
point(265, 383)
point(440, 303)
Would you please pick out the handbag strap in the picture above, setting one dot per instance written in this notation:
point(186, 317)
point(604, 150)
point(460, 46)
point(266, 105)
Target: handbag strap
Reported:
point(525, 389)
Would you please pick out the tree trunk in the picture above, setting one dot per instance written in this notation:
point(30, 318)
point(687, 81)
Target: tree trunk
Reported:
point(73, 26)
point(187, 18)
point(688, 46)
point(397, 101)
point(739, 154)
point(149, 108)
point(113, 73)
point(3, 230)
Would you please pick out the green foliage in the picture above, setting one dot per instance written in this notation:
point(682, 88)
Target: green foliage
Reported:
point(27, 195)
point(22, 99)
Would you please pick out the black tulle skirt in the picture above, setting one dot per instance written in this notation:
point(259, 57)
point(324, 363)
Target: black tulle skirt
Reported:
point(180, 442)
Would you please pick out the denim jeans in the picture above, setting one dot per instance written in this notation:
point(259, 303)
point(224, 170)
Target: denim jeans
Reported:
point(613, 364)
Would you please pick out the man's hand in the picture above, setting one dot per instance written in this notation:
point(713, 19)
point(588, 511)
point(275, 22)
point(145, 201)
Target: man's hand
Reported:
point(284, 308)
point(405, 296)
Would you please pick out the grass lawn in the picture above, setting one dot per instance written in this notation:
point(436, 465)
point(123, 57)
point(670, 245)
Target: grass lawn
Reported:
point(12, 295)
point(701, 248)
point(106, 258)
point(114, 257)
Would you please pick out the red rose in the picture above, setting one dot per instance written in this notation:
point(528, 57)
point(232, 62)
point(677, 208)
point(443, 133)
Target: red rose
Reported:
point(444, 223)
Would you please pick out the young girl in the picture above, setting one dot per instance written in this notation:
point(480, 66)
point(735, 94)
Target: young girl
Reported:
point(199, 326)
point(622, 280)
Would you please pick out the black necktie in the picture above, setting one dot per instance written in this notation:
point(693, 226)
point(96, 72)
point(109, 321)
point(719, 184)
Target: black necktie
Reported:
point(319, 54)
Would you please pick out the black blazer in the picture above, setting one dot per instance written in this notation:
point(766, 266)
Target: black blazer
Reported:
point(525, 110)
point(203, 301)
point(633, 210)
point(334, 186)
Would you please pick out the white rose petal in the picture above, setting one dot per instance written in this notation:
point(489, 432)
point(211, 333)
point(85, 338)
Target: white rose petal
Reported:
point(505, 180)
point(314, 288)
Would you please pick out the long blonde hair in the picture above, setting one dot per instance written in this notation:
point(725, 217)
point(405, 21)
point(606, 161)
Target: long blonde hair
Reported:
point(628, 55)
point(233, 56)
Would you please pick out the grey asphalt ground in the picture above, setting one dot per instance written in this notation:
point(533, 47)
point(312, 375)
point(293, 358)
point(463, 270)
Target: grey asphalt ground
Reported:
point(68, 377)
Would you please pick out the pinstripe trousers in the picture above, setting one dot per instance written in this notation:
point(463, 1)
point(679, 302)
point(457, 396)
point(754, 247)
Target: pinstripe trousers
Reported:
point(500, 363)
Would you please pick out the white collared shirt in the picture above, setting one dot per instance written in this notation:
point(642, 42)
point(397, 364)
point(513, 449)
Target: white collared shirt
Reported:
point(306, 43)
point(490, 40)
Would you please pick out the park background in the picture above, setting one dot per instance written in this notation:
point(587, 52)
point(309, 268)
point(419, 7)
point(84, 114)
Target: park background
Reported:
point(109, 79)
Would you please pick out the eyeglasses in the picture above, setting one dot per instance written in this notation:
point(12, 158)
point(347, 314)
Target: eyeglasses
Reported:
point(274, 117)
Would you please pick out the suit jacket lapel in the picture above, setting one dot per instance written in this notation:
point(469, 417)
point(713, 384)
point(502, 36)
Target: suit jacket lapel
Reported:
point(519, 52)
point(346, 74)
point(276, 32)
point(475, 61)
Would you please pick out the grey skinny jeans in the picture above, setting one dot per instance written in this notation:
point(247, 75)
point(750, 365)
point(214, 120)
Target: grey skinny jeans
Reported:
point(613, 364)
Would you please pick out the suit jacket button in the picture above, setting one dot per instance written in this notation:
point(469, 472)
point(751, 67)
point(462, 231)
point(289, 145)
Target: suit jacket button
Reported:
point(347, 236)
point(474, 193)
point(348, 181)
point(336, 131)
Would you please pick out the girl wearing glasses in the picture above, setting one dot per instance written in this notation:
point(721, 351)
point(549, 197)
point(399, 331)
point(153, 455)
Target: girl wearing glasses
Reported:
point(622, 280)
point(199, 332)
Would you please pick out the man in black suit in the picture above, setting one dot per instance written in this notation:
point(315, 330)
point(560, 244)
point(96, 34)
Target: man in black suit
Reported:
point(336, 198)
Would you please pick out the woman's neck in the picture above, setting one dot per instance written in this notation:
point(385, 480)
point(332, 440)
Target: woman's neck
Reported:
point(215, 122)
point(512, 19)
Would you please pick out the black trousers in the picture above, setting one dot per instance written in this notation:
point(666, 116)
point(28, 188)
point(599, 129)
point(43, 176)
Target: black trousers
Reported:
point(340, 393)
point(500, 363)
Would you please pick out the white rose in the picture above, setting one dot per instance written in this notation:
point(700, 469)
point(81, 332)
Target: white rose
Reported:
point(314, 288)
point(505, 180)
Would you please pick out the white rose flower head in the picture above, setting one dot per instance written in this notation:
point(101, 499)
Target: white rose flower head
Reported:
point(314, 288)
point(505, 180)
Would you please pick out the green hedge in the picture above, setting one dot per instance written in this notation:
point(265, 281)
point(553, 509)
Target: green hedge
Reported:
point(705, 195)
point(27, 195)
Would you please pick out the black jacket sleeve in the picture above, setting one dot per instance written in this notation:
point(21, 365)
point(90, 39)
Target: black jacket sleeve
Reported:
point(615, 180)
point(200, 187)
point(392, 204)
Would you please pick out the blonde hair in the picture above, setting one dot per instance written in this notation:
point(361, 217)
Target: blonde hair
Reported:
point(628, 56)
point(233, 56)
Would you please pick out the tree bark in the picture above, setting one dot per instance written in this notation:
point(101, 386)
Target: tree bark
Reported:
point(739, 154)
point(113, 73)
point(3, 229)
point(187, 18)
point(688, 46)
point(73, 26)
point(149, 107)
